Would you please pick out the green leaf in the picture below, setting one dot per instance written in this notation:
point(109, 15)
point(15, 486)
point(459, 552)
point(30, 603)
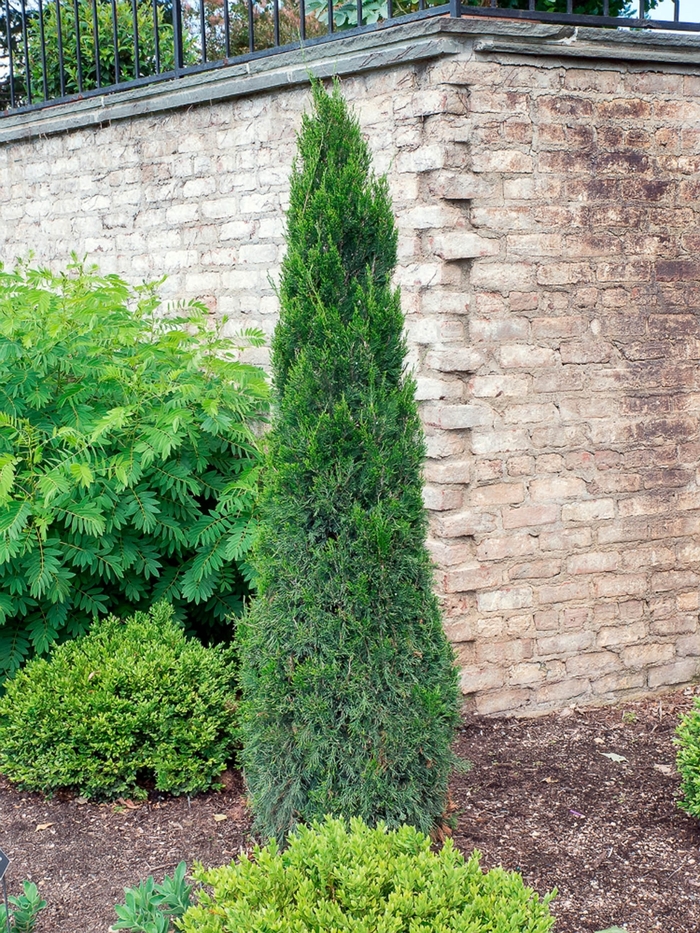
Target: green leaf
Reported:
point(13, 518)
point(83, 473)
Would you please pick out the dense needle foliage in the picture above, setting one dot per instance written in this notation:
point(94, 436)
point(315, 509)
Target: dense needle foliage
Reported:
point(128, 703)
point(128, 459)
point(361, 880)
point(349, 683)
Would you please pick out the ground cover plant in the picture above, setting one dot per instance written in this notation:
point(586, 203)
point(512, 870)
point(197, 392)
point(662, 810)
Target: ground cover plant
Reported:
point(132, 702)
point(151, 907)
point(21, 912)
point(128, 459)
point(353, 879)
point(349, 686)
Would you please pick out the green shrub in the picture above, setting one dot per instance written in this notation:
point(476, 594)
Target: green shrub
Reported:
point(131, 702)
point(128, 459)
point(688, 759)
point(364, 880)
point(349, 684)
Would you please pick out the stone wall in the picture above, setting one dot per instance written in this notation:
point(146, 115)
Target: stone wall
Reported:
point(546, 189)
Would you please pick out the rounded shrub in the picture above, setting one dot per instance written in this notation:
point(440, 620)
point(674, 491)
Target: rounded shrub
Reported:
point(335, 877)
point(133, 702)
point(688, 759)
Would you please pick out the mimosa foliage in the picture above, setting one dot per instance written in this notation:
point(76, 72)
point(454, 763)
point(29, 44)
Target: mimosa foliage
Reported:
point(128, 460)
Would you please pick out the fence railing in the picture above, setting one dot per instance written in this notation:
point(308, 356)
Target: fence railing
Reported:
point(54, 50)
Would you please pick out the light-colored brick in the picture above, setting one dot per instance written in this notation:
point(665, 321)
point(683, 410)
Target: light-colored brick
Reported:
point(588, 511)
point(463, 360)
point(642, 656)
point(497, 494)
point(526, 357)
point(456, 417)
point(594, 562)
point(512, 598)
point(452, 246)
point(678, 672)
point(530, 516)
point(557, 487)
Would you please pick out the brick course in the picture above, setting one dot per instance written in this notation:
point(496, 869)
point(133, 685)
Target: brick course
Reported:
point(549, 221)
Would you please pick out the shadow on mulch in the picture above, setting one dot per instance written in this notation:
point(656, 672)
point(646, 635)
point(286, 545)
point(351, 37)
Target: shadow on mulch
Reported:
point(543, 796)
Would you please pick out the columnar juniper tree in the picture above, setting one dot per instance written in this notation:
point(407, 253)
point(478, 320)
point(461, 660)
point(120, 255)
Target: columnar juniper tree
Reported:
point(349, 685)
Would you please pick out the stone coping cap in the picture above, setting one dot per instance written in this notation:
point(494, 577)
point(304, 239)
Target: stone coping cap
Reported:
point(375, 48)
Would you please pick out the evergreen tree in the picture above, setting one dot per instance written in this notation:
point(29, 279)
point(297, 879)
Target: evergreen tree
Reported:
point(349, 685)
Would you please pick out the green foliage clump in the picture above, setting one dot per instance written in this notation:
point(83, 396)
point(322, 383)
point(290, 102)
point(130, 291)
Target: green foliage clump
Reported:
point(23, 910)
point(151, 907)
point(688, 759)
point(362, 880)
point(131, 702)
point(128, 459)
point(345, 11)
point(120, 14)
point(349, 685)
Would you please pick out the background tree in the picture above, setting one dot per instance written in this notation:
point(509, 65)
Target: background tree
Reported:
point(349, 684)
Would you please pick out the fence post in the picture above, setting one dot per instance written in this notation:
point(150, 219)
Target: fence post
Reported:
point(455, 7)
point(177, 35)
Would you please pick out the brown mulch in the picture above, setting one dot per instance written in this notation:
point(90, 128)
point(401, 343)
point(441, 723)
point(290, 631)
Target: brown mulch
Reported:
point(541, 797)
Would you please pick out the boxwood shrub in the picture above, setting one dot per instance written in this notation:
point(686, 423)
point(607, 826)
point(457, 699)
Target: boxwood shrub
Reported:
point(354, 879)
point(688, 759)
point(133, 702)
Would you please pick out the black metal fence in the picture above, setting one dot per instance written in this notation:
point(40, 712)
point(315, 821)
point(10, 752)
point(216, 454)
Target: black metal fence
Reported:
point(54, 50)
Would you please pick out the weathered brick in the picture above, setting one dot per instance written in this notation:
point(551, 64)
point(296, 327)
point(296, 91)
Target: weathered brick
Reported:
point(562, 592)
point(642, 656)
point(588, 511)
point(478, 679)
point(442, 498)
point(473, 577)
point(526, 357)
point(531, 515)
point(678, 672)
point(593, 562)
point(512, 598)
point(556, 487)
point(464, 360)
point(494, 548)
point(497, 494)
point(555, 694)
point(466, 523)
point(592, 664)
point(451, 471)
point(456, 417)
point(536, 570)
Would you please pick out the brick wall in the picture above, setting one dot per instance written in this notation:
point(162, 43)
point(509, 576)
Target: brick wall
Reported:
point(549, 216)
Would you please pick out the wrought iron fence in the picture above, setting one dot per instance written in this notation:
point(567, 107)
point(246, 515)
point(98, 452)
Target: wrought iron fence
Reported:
point(53, 50)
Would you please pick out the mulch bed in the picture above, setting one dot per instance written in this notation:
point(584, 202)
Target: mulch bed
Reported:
point(542, 796)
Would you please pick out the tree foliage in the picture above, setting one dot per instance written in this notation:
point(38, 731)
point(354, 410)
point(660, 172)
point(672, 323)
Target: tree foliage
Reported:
point(128, 459)
point(349, 685)
point(345, 11)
